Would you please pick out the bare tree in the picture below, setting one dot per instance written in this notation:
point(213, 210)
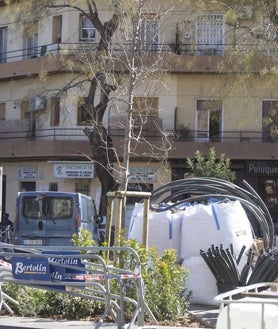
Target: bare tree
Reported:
point(99, 70)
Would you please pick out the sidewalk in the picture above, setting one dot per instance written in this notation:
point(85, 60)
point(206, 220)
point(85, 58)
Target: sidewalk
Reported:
point(10, 322)
point(206, 313)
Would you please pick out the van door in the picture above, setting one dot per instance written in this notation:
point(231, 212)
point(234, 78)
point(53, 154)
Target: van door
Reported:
point(29, 222)
point(46, 219)
point(60, 220)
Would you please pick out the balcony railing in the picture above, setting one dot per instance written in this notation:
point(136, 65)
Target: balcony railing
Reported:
point(226, 136)
point(76, 134)
point(190, 49)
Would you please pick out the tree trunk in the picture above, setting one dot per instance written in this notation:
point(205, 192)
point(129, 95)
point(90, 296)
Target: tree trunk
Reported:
point(103, 157)
point(101, 144)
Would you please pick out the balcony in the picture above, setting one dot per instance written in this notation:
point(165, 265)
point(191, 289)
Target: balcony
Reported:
point(192, 57)
point(225, 136)
point(186, 49)
point(18, 130)
point(71, 143)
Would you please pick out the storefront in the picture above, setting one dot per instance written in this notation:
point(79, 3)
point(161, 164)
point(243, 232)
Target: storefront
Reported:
point(261, 175)
point(67, 176)
point(266, 175)
point(72, 176)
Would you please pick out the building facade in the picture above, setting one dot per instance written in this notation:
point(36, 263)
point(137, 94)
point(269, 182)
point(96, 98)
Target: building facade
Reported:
point(212, 93)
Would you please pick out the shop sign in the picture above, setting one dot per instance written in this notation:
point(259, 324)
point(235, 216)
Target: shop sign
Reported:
point(74, 170)
point(27, 173)
point(68, 268)
point(142, 174)
point(63, 271)
point(262, 168)
point(30, 268)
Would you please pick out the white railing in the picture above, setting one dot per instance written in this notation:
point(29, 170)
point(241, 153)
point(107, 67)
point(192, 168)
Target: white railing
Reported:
point(250, 307)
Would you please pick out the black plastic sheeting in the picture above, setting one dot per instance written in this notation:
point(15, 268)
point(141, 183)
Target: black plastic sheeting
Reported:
point(224, 265)
point(190, 190)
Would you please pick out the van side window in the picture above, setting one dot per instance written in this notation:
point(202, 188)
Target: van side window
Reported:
point(60, 208)
point(87, 210)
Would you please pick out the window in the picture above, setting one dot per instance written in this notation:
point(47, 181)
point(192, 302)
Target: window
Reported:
point(270, 120)
point(27, 186)
point(30, 41)
point(210, 34)
point(3, 44)
point(87, 30)
point(2, 111)
point(87, 210)
point(59, 207)
point(32, 46)
point(31, 207)
point(56, 207)
point(25, 108)
point(30, 116)
point(53, 187)
point(149, 33)
point(209, 119)
point(83, 114)
point(54, 111)
point(83, 188)
point(147, 106)
point(146, 121)
point(268, 188)
point(57, 29)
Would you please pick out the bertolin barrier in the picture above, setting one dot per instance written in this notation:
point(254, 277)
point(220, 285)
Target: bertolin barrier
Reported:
point(78, 271)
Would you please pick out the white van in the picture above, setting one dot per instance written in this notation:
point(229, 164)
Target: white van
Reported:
point(51, 218)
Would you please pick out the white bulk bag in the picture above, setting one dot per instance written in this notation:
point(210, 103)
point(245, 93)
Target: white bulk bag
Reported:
point(223, 223)
point(235, 225)
point(164, 229)
point(198, 230)
point(200, 281)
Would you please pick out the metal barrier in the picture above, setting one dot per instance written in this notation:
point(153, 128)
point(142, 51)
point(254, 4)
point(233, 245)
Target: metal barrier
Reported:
point(6, 234)
point(250, 307)
point(78, 271)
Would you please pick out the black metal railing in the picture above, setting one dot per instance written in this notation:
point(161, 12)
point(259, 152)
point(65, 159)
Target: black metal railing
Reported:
point(44, 134)
point(72, 134)
point(190, 49)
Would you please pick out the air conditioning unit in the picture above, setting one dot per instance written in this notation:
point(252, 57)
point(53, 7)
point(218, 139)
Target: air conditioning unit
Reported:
point(37, 103)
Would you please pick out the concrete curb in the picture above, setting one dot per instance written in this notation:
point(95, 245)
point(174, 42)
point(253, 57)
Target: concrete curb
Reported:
point(15, 322)
point(207, 315)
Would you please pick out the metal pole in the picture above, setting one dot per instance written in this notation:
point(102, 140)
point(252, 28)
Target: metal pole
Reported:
point(1, 186)
point(146, 222)
point(118, 217)
point(109, 219)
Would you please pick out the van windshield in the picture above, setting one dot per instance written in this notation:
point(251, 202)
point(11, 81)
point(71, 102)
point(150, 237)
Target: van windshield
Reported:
point(55, 207)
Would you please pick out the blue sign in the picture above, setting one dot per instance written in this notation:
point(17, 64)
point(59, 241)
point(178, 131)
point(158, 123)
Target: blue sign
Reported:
point(64, 273)
point(28, 268)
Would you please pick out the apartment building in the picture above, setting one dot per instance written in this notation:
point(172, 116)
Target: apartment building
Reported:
point(202, 100)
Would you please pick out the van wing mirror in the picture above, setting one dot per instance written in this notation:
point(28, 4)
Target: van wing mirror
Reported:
point(99, 219)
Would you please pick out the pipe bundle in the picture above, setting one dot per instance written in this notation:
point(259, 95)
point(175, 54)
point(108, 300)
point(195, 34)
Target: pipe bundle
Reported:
point(224, 265)
point(266, 267)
